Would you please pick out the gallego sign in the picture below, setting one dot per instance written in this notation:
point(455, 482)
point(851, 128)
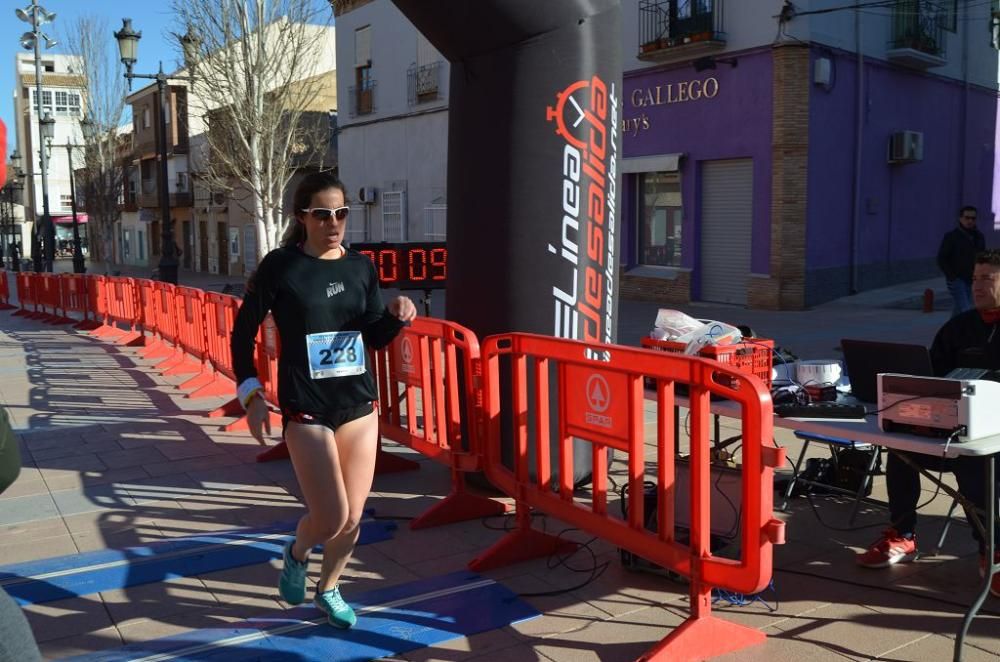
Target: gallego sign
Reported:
point(667, 94)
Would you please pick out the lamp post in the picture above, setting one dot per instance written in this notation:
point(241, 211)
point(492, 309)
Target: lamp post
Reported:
point(46, 130)
point(17, 186)
point(128, 46)
point(78, 262)
point(38, 16)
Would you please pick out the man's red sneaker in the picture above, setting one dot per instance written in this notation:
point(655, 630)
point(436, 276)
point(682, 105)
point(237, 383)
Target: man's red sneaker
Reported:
point(995, 583)
point(888, 550)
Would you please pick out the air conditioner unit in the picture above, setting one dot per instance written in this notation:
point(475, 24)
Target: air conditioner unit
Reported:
point(906, 147)
point(366, 195)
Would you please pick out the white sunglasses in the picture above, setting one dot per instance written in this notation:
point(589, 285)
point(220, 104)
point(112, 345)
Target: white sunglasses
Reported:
point(324, 214)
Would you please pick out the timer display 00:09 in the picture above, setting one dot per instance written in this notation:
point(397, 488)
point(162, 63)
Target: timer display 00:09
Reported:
point(410, 266)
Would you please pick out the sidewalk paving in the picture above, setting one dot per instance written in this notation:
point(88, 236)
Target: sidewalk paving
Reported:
point(115, 456)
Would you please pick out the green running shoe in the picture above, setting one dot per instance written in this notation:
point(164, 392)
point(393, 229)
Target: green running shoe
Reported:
point(292, 585)
point(338, 612)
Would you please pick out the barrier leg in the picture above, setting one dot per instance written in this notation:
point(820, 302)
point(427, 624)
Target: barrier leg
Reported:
point(157, 350)
point(521, 544)
point(390, 463)
point(107, 331)
point(274, 453)
point(702, 635)
point(459, 506)
point(241, 423)
point(141, 341)
point(204, 377)
point(231, 408)
point(129, 338)
point(218, 386)
point(87, 325)
point(176, 357)
point(185, 367)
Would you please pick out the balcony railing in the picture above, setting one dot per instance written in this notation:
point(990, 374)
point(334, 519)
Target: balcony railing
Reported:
point(361, 101)
point(918, 33)
point(423, 83)
point(669, 25)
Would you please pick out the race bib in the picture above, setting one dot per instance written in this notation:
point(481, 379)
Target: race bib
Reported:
point(335, 354)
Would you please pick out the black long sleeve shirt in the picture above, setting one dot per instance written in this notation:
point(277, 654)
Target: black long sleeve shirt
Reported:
point(966, 341)
point(957, 254)
point(308, 295)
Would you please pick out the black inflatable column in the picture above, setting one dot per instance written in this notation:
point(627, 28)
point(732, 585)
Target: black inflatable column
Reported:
point(532, 174)
point(533, 145)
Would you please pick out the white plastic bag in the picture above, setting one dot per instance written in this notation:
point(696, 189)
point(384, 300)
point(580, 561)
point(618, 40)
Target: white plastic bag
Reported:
point(674, 325)
point(712, 333)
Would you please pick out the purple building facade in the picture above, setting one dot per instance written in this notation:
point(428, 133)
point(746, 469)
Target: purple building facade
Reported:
point(750, 183)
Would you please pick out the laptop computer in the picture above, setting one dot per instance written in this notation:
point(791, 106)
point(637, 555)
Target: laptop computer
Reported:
point(865, 359)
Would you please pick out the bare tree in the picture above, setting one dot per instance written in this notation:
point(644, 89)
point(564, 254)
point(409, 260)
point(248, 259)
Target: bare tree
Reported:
point(255, 84)
point(104, 90)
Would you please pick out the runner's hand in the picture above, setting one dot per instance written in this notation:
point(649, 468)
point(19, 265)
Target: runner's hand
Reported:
point(259, 418)
point(403, 308)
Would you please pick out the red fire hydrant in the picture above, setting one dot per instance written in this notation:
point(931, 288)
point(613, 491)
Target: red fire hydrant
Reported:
point(928, 300)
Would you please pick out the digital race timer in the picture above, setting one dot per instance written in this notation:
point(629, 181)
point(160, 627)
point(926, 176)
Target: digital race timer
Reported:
point(413, 266)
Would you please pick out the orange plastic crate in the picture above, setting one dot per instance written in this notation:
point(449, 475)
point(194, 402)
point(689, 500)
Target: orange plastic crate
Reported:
point(751, 356)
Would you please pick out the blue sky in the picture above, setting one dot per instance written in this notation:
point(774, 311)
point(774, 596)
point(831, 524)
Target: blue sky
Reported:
point(152, 17)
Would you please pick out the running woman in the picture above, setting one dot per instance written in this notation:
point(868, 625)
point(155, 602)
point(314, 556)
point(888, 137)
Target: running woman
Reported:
point(328, 309)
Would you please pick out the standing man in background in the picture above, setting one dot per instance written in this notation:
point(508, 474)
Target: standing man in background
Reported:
point(957, 257)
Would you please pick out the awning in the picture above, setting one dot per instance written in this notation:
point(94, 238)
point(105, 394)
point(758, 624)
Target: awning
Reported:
point(68, 220)
point(657, 163)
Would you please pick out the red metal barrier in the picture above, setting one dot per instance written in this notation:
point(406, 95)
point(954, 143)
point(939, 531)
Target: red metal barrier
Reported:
point(161, 308)
point(602, 401)
point(220, 315)
point(189, 316)
point(25, 294)
point(429, 387)
point(50, 299)
point(120, 307)
point(5, 292)
point(75, 298)
point(267, 351)
point(97, 296)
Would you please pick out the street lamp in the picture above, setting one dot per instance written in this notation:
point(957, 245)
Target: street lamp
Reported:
point(78, 262)
point(38, 16)
point(16, 186)
point(128, 48)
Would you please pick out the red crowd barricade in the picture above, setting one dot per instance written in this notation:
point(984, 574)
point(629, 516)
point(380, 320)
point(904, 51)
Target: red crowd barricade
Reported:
point(430, 401)
point(5, 291)
point(73, 290)
point(220, 315)
point(152, 341)
point(25, 294)
point(601, 400)
point(268, 348)
point(189, 316)
point(162, 310)
point(50, 298)
point(122, 308)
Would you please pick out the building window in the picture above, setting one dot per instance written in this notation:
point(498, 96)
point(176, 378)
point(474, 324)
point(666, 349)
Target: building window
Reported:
point(364, 82)
point(142, 246)
point(66, 201)
point(394, 216)
point(145, 117)
point(74, 104)
point(46, 100)
point(660, 218)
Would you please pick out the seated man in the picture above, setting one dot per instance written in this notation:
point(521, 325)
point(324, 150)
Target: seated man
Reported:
point(970, 340)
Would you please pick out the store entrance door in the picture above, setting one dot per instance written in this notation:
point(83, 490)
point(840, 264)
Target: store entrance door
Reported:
point(726, 230)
